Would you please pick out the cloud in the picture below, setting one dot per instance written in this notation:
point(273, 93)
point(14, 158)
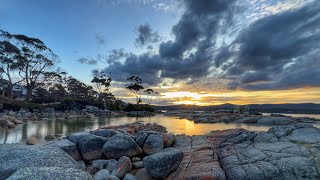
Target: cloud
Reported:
point(146, 35)
point(189, 55)
point(88, 60)
point(100, 38)
point(274, 52)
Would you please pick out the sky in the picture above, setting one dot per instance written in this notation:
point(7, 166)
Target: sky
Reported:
point(199, 52)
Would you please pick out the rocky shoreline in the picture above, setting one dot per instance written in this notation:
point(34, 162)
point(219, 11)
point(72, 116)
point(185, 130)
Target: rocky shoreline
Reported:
point(147, 152)
point(10, 119)
point(247, 118)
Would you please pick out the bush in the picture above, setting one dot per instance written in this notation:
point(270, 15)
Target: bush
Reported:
point(30, 105)
point(139, 107)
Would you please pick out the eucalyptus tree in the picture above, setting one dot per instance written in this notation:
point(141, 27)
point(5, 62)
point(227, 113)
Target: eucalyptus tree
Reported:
point(102, 84)
point(35, 61)
point(9, 54)
point(150, 93)
point(135, 86)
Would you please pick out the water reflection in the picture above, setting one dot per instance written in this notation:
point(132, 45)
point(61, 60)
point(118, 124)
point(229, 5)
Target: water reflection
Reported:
point(64, 127)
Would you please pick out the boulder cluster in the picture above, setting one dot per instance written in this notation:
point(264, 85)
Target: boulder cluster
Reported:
point(129, 152)
point(222, 117)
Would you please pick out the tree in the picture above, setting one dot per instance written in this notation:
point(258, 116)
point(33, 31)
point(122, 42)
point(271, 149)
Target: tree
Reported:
point(135, 87)
point(77, 89)
point(103, 84)
point(34, 62)
point(150, 94)
point(9, 54)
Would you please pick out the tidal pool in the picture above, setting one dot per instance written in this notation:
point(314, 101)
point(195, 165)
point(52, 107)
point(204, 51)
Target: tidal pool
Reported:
point(63, 128)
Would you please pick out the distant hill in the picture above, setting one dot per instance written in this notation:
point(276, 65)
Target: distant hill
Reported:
point(302, 108)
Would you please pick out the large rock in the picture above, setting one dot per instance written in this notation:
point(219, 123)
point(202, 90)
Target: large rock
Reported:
point(68, 147)
point(49, 173)
point(77, 137)
point(104, 132)
point(90, 147)
point(120, 145)
point(123, 167)
point(275, 121)
point(16, 156)
point(153, 144)
point(99, 164)
point(159, 165)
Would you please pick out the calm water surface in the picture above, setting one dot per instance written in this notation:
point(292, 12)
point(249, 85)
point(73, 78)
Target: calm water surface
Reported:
point(63, 128)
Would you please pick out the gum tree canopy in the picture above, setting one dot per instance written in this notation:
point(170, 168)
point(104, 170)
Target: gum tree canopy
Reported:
point(135, 87)
point(34, 63)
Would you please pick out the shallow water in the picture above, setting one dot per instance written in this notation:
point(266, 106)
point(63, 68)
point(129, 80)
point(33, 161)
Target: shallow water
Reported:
point(63, 128)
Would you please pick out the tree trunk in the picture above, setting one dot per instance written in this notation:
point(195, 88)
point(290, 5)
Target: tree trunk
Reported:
point(29, 93)
point(10, 90)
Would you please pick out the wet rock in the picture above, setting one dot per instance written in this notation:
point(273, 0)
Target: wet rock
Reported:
point(10, 125)
point(120, 145)
point(16, 156)
point(101, 175)
point(33, 117)
point(159, 165)
point(31, 141)
point(130, 177)
point(90, 148)
point(49, 137)
point(68, 147)
point(153, 144)
point(49, 173)
point(123, 167)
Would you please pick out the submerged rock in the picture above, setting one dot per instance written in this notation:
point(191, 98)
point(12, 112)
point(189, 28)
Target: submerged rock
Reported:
point(159, 165)
point(31, 141)
point(120, 145)
point(49, 173)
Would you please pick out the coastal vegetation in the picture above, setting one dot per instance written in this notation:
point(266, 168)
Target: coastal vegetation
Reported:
point(28, 64)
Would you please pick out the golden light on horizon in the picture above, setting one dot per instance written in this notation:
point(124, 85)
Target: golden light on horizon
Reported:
point(302, 95)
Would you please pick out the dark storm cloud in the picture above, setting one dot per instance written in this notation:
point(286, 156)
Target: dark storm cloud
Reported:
point(189, 54)
point(146, 66)
point(273, 51)
point(146, 35)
